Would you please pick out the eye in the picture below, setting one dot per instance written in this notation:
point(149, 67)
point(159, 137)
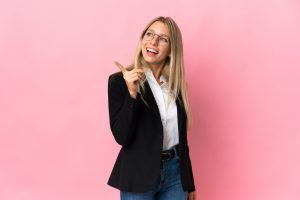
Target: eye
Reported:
point(149, 34)
point(163, 39)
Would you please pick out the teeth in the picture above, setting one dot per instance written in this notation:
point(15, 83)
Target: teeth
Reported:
point(151, 50)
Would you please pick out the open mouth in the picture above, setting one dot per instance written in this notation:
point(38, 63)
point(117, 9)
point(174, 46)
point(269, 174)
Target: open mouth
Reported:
point(151, 51)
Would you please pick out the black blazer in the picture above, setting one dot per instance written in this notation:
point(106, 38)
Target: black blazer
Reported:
point(139, 130)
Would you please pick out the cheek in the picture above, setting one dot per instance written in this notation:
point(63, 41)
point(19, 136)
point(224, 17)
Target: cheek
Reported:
point(165, 52)
point(143, 47)
point(144, 51)
point(144, 43)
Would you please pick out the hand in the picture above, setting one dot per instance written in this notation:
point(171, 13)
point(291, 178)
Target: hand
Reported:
point(131, 78)
point(192, 196)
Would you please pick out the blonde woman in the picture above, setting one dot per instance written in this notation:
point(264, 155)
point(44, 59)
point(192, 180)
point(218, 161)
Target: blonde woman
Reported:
point(149, 117)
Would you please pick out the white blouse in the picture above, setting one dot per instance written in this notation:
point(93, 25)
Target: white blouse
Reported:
point(168, 112)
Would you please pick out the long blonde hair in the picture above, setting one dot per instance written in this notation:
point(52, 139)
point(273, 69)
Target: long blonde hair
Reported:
point(173, 70)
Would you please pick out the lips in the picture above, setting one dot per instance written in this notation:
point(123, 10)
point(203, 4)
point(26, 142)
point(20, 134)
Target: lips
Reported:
point(151, 50)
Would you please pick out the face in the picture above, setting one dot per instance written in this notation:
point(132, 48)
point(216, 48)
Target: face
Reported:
point(156, 44)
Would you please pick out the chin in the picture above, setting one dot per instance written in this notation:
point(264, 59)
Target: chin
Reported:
point(151, 60)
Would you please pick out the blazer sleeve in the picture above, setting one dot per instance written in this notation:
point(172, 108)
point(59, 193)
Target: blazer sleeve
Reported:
point(191, 177)
point(123, 110)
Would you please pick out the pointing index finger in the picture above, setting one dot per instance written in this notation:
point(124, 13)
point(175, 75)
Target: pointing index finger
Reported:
point(121, 67)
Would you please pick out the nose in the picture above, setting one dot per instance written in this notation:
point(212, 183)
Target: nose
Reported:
point(154, 40)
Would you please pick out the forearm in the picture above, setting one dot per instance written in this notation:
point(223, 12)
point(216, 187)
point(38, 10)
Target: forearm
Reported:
point(123, 110)
point(123, 121)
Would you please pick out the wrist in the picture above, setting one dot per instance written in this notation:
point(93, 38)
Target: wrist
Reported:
point(133, 94)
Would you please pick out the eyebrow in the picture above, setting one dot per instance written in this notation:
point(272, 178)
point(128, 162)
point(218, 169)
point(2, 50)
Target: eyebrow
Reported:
point(157, 34)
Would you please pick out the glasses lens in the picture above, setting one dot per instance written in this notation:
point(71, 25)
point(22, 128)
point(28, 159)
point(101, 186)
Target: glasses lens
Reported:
point(148, 35)
point(163, 40)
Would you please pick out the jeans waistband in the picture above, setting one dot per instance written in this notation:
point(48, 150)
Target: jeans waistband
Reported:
point(169, 154)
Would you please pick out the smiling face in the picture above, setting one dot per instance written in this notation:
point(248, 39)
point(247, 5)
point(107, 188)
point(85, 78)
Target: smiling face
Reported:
point(156, 44)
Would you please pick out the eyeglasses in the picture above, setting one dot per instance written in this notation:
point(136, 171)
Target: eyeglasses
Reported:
point(162, 40)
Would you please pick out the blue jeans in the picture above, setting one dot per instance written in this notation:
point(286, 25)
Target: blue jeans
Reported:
point(168, 188)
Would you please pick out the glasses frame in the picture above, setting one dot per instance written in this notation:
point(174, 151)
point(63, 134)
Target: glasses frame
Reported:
point(159, 37)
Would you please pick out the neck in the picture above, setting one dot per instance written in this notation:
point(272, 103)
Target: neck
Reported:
point(156, 70)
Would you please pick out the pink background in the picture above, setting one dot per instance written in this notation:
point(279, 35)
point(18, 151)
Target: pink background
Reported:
point(242, 62)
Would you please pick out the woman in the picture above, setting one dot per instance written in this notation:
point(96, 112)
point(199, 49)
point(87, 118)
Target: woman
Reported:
point(149, 116)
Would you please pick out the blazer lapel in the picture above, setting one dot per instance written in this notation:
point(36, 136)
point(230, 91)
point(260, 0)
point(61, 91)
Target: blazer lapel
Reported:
point(153, 106)
point(151, 100)
point(180, 115)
